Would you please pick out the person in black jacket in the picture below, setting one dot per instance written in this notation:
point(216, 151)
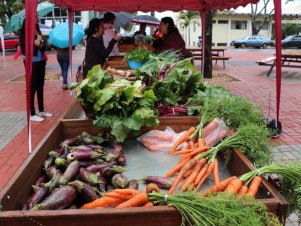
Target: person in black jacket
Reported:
point(96, 53)
point(38, 73)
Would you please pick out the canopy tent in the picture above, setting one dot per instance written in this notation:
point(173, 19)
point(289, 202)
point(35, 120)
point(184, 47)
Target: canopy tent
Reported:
point(145, 6)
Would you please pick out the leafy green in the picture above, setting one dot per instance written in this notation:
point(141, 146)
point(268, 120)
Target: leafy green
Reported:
point(140, 55)
point(218, 210)
point(118, 105)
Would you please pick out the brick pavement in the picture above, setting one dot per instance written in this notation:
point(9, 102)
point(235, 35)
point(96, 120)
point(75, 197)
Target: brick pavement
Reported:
point(252, 84)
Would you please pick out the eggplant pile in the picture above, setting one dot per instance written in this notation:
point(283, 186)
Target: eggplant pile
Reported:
point(79, 171)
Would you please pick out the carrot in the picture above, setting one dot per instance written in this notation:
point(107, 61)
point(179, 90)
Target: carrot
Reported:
point(138, 200)
point(210, 127)
point(253, 187)
point(220, 187)
point(207, 174)
point(178, 167)
point(200, 142)
point(198, 150)
point(148, 204)
point(243, 190)
point(196, 145)
point(187, 174)
point(182, 139)
point(190, 144)
point(191, 163)
point(201, 174)
point(126, 191)
point(184, 151)
point(193, 174)
point(102, 202)
point(152, 187)
point(234, 186)
point(215, 172)
point(116, 195)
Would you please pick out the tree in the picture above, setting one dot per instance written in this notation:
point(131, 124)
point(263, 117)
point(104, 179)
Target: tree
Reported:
point(208, 45)
point(185, 17)
point(290, 29)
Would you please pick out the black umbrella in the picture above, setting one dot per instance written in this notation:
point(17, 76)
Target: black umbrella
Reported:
point(147, 19)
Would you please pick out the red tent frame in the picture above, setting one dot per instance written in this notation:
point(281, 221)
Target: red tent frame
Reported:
point(145, 6)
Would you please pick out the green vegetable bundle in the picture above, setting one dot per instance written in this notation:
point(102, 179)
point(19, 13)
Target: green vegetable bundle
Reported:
point(140, 55)
point(118, 105)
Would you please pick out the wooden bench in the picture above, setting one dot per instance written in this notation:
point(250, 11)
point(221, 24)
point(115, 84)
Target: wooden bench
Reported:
point(271, 62)
point(214, 57)
point(117, 64)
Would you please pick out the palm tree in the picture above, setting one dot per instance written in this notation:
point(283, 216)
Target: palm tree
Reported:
point(186, 17)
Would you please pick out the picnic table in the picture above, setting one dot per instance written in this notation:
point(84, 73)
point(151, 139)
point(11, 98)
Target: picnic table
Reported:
point(287, 57)
point(218, 53)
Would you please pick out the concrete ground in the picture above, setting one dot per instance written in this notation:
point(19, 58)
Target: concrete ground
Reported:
point(252, 83)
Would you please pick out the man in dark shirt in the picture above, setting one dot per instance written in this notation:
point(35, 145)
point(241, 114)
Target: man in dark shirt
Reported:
point(139, 36)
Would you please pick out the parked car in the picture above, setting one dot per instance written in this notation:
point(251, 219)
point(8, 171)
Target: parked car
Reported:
point(292, 41)
point(10, 42)
point(253, 41)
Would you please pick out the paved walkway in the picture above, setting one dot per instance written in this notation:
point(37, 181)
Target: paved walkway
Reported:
point(252, 84)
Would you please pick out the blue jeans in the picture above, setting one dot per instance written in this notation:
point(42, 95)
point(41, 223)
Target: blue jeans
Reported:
point(64, 63)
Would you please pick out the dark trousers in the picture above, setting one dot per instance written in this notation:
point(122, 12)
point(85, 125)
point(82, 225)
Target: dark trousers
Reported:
point(37, 85)
point(64, 63)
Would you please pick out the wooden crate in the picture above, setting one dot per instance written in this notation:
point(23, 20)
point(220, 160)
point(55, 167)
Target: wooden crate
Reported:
point(19, 187)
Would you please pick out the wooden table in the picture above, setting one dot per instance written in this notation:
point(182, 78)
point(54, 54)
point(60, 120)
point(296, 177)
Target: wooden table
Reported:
point(287, 57)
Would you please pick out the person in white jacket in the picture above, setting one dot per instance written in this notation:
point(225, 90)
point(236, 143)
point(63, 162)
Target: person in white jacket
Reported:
point(109, 32)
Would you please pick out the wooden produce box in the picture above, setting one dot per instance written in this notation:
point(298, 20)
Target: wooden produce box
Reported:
point(19, 187)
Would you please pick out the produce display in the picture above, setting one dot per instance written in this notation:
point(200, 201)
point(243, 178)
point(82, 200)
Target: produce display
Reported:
point(140, 55)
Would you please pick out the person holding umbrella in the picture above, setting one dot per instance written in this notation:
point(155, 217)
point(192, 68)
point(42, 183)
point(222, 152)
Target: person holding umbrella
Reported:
point(96, 52)
point(38, 73)
point(109, 32)
point(63, 59)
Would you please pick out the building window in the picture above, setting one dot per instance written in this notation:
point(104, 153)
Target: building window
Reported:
point(213, 21)
point(238, 25)
point(221, 44)
point(222, 21)
point(265, 26)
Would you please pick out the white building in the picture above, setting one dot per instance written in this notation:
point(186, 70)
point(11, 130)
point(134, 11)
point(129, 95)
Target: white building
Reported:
point(230, 25)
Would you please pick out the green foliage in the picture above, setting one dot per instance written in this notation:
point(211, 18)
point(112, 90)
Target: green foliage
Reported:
point(9, 8)
point(290, 29)
point(186, 16)
point(218, 210)
point(118, 105)
point(140, 55)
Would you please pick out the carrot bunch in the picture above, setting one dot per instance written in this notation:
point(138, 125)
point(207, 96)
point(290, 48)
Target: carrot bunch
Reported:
point(119, 198)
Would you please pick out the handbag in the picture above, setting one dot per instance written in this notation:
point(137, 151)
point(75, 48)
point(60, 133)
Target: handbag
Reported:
point(80, 72)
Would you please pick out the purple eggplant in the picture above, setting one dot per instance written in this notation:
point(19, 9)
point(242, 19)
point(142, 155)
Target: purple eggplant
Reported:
point(58, 199)
point(119, 181)
point(24, 206)
point(83, 155)
point(41, 180)
point(102, 182)
point(82, 148)
point(60, 162)
point(53, 154)
point(88, 177)
point(37, 197)
point(64, 153)
point(88, 193)
point(133, 184)
point(110, 171)
point(50, 172)
point(162, 182)
point(72, 207)
point(121, 160)
point(70, 173)
point(116, 147)
point(97, 167)
point(48, 162)
point(90, 163)
point(95, 146)
point(69, 142)
point(54, 182)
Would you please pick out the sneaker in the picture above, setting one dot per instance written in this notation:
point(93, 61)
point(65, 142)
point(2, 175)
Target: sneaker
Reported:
point(36, 118)
point(65, 86)
point(44, 114)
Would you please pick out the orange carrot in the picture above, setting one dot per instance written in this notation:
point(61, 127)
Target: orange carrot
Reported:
point(194, 174)
point(148, 204)
point(220, 187)
point(152, 187)
point(138, 200)
point(215, 172)
point(182, 139)
point(234, 186)
point(178, 167)
point(196, 145)
point(254, 186)
point(243, 190)
point(190, 164)
point(200, 142)
point(126, 191)
point(201, 174)
point(102, 202)
point(187, 174)
point(190, 144)
point(116, 195)
point(198, 150)
point(184, 151)
point(207, 174)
